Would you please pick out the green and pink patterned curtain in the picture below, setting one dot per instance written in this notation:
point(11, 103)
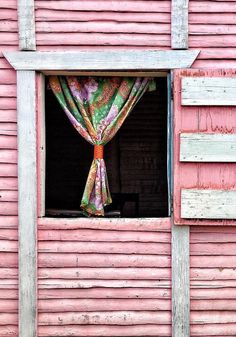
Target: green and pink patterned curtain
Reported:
point(97, 107)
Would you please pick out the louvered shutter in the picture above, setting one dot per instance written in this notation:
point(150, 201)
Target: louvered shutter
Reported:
point(205, 147)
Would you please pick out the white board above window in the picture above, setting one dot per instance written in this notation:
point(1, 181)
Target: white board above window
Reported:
point(208, 91)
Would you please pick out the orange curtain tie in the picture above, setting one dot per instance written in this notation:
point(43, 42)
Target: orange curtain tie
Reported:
point(98, 152)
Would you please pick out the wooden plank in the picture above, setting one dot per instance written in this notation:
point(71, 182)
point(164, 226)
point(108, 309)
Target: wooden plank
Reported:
point(90, 235)
point(105, 317)
point(179, 24)
point(88, 284)
point(170, 143)
point(127, 6)
point(200, 147)
point(81, 305)
point(104, 330)
point(208, 91)
point(96, 26)
point(41, 140)
point(95, 273)
point(180, 282)
point(102, 247)
point(113, 224)
point(117, 60)
point(26, 101)
point(26, 25)
point(50, 15)
point(62, 260)
point(102, 293)
point(208, 204)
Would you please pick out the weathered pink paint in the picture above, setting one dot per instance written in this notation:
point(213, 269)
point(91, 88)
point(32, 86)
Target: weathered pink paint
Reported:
point(103, 293)
point(95, 273)
point(105, 330)
point(213, 290)
point(201, 119)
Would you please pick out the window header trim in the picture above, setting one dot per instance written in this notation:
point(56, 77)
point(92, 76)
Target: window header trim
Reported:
point(102, 60)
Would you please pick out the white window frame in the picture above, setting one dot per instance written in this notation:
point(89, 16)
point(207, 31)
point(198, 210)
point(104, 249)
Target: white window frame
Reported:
point(26, 64)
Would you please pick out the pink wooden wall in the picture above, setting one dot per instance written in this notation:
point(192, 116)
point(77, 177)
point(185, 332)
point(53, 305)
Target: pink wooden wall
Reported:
point(8, 175)
point(213, 281)
point(106, 280)
point(139, 24)
point(124, 274)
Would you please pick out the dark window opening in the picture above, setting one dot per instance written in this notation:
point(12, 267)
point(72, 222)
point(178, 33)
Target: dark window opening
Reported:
point(136, 160)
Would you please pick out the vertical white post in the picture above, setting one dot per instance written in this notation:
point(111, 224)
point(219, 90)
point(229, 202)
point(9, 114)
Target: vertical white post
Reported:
point(180, 282)
point(179, 24)
point(27, 199)
point(26, 25)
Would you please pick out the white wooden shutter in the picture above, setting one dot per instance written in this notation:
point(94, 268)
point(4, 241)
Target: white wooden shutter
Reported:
point(205, 147)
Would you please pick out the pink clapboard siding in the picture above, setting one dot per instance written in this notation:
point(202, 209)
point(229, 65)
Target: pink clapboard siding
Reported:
point(8, 176)
point(205, 119)
point(213, 288)
point(104, 279)
point(96, 24)
point(137, 25)
point(116, 280)
point(212, 29)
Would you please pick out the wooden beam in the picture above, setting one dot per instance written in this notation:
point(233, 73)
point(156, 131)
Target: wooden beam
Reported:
point(208, 204)
point(89, 61)
point(26, 25)
point(27, 205)
point(179, 24)
point(208, 91)
point(41, 141)
point(180, 282)
point(200, 147)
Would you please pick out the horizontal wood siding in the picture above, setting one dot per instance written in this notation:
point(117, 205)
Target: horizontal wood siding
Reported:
point(208, 204)
point(100, 24)
point(104, 282)
point(8, 176)
point(208, 91)
point(212, 29)
point(213, 289)
point(137, 24)
point(201, 147)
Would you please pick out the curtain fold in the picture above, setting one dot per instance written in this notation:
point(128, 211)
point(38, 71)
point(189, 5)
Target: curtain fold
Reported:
point(97, 107)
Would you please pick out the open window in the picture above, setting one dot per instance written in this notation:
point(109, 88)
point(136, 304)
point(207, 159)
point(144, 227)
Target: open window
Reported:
point(136, 160)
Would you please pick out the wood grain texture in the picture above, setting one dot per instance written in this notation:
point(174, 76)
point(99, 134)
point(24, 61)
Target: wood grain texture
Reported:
point(179, 24)
point(200, 147)
point(26, 25)
point(208, 91)
point(104, 330)
point(130, 60)
point(208, 120)
point(212, 290)
point(26, 101)
point(102, 6)
point(120, 318)
point(180, 282)
point(114, 289)
point(208, 204)
point(113, 225)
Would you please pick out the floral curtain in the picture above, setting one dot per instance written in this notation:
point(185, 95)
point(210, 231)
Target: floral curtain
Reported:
point(97, 107)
